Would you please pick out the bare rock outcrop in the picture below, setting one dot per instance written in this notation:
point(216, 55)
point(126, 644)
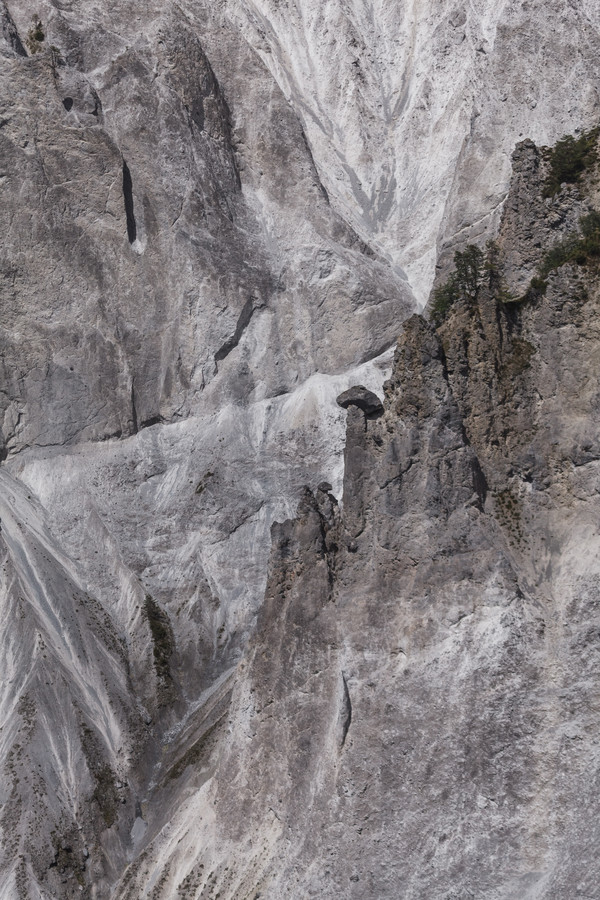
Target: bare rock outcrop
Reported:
point(415, 715)
point(202, 238)
point(413, 112)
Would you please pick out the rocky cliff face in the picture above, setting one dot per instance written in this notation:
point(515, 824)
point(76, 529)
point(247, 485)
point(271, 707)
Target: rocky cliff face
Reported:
point(201, 249)
point(178, 297)
point(415, 714)
point(413, 109)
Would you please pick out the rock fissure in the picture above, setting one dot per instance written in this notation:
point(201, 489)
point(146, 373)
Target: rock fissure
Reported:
point(128, 201)
point(346, 711)
point(243, 321)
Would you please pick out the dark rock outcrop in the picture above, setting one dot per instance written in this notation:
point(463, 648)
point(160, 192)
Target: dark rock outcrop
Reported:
point(363, 399)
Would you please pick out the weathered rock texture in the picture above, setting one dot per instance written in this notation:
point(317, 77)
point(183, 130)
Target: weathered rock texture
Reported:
point(181, 305)
point(200, 252)
point(413, 109)
point(415, 715)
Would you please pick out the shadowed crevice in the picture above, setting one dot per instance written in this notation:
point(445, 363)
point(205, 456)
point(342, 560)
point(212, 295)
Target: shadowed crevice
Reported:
point(134, 410)
point(128, 198)
point(242, 323)
point(9, 32)
point(346, 711)
point(153, 420)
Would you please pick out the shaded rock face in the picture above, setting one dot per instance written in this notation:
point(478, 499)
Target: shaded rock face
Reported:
point(415, 714)
point(180, 306)
point(153, 259)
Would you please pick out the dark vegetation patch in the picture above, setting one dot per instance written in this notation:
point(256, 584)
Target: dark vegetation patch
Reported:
point(35, 36)
point(473, 269)
point(68, 858)
point(508, 514)
point(105, 793)
point(27, 711)
point(537, 288)
point(518, 359)
point(162, 640)
point(570, 158)
point(190, 884)
point(462, 284)
point(581, 249)
point(128, 888)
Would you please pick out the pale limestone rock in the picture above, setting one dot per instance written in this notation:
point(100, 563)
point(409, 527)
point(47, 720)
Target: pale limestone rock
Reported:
point(206, 211)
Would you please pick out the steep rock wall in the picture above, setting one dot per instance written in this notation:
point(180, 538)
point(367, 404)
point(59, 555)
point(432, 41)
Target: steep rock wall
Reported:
point(416, 713)
point(187, 285)
point(413, 108)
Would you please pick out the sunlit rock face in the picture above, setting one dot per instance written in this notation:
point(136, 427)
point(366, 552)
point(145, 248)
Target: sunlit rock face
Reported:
point(215, 219)
point(413, 109)
point(182, 305)
point(414, 715)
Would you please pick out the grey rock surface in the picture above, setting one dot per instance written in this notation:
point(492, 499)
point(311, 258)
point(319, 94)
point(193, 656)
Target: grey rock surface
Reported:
point(208, 213)
point(413, 109)
point(72, 730)
point(172, 262)
point(181, 305)
point(415, 714)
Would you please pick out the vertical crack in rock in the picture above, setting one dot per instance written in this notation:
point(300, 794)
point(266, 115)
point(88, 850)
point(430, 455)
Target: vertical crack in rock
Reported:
point(346, 711)
point(128, 198)
point(480, 485)
point(134, 410)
